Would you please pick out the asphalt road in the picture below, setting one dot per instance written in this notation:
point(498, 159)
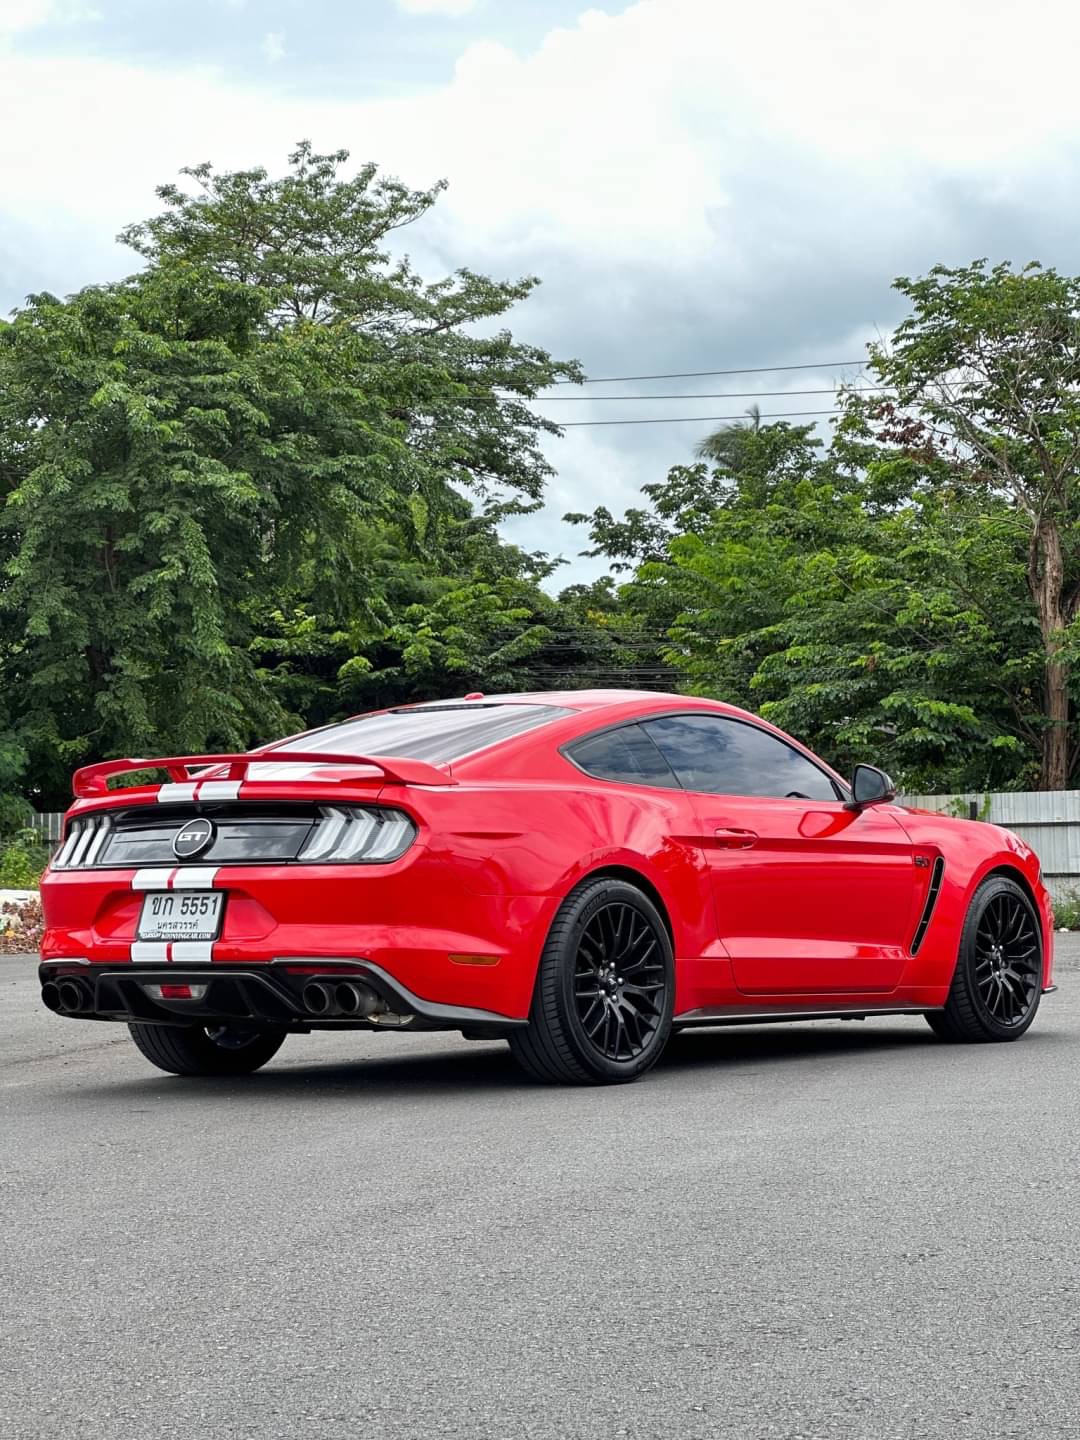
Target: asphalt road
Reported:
point(807, 1231)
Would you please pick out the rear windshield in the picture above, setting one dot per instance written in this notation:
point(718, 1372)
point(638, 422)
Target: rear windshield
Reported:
point(435, 733)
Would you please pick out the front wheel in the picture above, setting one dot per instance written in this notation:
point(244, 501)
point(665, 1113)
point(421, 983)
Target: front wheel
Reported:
point(209, 1050)
point(998, 980)
point(601, 1010)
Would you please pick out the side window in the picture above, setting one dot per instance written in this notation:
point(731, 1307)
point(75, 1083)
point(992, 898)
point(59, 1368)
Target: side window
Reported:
point(729, 757)
point(625, 754)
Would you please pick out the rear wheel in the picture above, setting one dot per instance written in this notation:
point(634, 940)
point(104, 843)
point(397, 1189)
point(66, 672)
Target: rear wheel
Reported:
point(209, 1050)
point(601, 1011)
point(998, 981)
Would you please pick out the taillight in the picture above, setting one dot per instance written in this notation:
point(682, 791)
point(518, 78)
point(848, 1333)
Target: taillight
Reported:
point(358, 835)
point(84, 842)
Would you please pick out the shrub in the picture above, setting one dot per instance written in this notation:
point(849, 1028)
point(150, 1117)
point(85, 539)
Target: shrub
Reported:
point(22, 860)
point(1067, 911)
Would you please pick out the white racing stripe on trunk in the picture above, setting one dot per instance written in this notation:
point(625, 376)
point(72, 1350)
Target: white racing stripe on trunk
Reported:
point(219, 789)
point(193, 952)
point(157, 879)
point(150, 952)
point(294, 770)
point(195, 877)
point(176, 793)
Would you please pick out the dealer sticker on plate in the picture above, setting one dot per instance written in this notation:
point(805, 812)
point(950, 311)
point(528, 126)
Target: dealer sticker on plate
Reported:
point(181, 915)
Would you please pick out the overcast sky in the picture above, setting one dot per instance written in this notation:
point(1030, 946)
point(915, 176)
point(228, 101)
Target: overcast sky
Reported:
point(700, 185)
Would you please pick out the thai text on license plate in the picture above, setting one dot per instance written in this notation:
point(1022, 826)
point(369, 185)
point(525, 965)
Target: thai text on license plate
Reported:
point(181, 915)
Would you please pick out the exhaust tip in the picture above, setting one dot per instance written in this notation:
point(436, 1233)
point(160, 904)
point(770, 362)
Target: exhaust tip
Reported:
point(50, 995)
point(348, 999)
point(72, 997)
point(359, 1000)
point(318, 998)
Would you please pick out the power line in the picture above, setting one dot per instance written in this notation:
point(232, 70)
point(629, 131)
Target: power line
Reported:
point(695, 419)
point(698, 395)
point(696, 374)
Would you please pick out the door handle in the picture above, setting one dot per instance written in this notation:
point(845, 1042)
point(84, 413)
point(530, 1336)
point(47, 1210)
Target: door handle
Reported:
point(730, 838)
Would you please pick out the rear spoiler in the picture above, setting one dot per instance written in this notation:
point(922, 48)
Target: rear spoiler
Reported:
point(93, 780)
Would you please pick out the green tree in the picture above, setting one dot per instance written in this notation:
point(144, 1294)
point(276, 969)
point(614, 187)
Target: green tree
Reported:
point(987, 368)
point(852, 596)
point(238, 428)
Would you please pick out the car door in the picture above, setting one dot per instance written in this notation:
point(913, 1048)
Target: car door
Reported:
point(809, 896)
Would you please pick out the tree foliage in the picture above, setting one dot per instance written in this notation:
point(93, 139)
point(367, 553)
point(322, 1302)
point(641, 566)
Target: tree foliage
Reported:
point(267, 432)
point(849, 595)
point(987, 367)
point(258, 484)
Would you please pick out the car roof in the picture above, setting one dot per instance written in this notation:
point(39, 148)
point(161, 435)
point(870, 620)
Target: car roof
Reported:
point(584, 711)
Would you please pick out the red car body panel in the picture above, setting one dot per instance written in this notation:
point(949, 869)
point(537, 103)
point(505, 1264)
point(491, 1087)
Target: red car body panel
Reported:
point(772, 903)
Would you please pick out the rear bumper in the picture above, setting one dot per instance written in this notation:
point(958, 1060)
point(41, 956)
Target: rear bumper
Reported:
point(417, 920)
point(264, 995)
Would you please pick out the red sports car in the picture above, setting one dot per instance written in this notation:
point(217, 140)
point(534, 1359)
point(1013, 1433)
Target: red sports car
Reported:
point(579, 872)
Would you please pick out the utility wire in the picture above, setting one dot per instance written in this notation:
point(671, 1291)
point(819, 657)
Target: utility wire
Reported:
point(694, 419)
point(697, 395)
point(695, 374)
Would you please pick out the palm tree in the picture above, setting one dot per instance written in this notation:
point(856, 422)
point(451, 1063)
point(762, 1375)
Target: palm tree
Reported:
point(724, 447)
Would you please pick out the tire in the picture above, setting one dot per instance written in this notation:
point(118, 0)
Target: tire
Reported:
point(193, 1050)
point(997, 983)
point(589, 1023)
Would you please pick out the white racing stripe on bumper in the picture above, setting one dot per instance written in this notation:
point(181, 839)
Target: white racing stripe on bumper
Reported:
point(150, 952)
point(192, 952)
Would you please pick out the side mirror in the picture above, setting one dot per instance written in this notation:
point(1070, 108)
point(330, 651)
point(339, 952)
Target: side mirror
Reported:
point(870, 786)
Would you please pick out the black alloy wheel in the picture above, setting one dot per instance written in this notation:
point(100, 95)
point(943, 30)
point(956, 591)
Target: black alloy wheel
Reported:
point(619, 981)
point(997, 984)
point(605, 989)
point(1008, 958)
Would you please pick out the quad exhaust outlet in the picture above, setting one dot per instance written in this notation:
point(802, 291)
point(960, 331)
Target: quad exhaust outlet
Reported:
point(348, 999)
point(66, 997)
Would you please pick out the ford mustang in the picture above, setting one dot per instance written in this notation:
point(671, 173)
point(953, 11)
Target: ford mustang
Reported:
point(581, 873)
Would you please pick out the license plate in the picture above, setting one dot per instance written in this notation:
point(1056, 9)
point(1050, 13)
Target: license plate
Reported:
point(181, 915)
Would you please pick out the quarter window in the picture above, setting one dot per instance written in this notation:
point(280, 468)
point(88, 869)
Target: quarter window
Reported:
point(719, 756)
point(625, 754)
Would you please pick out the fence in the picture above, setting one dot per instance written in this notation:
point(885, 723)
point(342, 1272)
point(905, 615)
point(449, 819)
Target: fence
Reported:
point(1049, 820)
point(49, 826)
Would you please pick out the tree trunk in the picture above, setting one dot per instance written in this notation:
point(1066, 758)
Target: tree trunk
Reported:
point(1046, 577)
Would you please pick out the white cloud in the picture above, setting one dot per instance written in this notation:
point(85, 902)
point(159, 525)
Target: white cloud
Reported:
point(19, 15)
point(436, 7)
point(697, 192)
point(273, 46)
point(16, 15)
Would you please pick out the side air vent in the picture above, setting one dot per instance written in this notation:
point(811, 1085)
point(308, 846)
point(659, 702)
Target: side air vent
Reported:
point(931, 901)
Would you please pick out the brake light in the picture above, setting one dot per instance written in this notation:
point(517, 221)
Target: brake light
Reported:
point(84, 841)
point(358, 835)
